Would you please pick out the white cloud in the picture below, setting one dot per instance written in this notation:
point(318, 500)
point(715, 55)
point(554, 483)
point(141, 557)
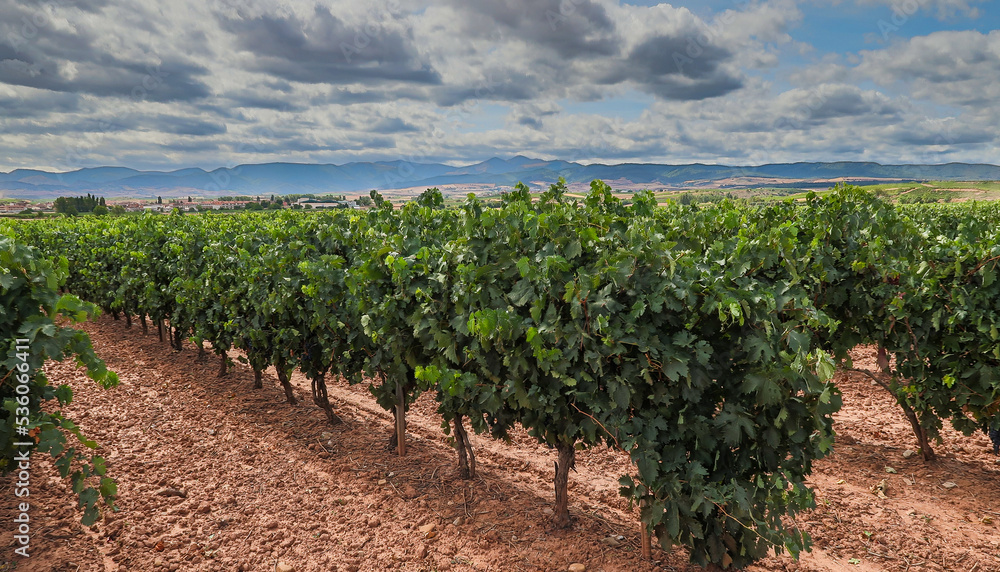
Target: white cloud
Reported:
point(952, 68)
point(230, 81)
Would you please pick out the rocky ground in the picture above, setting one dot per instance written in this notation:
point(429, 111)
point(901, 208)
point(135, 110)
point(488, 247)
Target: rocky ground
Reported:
point(214, 475)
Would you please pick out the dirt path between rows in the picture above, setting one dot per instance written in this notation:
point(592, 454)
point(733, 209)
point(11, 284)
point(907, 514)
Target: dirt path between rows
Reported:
point(214, 475)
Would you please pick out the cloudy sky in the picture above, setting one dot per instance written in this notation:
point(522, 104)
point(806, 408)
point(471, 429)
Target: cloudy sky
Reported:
point(210, 83)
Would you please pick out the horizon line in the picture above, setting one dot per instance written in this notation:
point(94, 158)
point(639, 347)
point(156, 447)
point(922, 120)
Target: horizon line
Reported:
point(181, 168)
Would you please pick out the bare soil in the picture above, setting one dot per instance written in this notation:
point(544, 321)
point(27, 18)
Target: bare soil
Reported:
point(213, 475)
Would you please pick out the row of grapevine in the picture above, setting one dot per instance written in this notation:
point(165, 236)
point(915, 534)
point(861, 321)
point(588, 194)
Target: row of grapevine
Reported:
point(696, 340)
point(32, 331)
point(944, 325)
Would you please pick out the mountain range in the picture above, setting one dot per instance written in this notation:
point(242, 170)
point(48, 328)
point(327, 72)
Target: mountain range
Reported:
point(284, 178)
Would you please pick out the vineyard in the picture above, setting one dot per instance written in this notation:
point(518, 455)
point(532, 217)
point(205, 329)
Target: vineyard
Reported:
point(700, 342)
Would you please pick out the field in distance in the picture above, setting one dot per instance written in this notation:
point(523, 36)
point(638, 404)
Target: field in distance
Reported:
point(896, 191)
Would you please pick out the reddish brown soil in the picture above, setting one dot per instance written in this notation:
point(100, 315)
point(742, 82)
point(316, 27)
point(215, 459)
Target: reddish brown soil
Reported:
point(264, 485)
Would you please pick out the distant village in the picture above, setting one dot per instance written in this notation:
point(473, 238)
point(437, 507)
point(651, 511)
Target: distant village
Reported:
point(99, 205)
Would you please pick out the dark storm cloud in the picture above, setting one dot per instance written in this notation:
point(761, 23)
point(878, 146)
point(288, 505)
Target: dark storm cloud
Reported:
point(390, 125)
point(36, 53)
point(8, 52)
point(676, 55)
point(532, 122)
point(805, 109)
point(90, 6)
point(671, 88)
point(852, 105)
point(106, 76)
point(38, 105)
point(572, 28)
point(577, 42)
point(532, 115)
point(71, 123)
point(677, 67)
point(912, 136)
point(843, 101)
point(323, 49)
point(159, 123)
point(512, 87)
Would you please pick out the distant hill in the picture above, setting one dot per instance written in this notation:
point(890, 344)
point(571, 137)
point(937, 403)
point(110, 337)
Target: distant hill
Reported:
point(284, 178)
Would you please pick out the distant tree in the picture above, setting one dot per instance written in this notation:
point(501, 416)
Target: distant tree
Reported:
point(118, 210)
point(252, 206)
point(100, 210)
point(63, 204)
point(102, 202)
point(330, 198)
point(365, 201)
point(83, 204)
point(159, 200)
point(189, 198)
